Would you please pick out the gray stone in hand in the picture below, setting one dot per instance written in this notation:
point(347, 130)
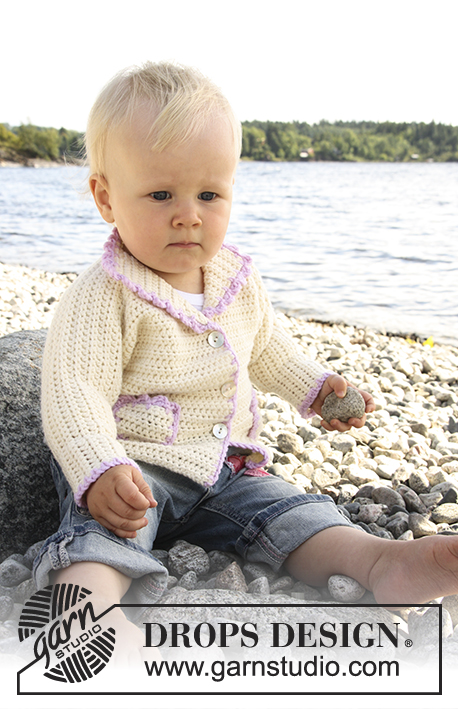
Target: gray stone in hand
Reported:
point(351, 406)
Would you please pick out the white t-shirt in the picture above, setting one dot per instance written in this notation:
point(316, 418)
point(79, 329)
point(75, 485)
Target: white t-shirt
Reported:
point(195, 299)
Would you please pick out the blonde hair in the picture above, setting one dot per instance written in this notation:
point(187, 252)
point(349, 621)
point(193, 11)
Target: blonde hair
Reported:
point(182, 101)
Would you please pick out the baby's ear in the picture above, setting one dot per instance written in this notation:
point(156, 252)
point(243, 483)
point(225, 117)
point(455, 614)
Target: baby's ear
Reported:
point(100, 191)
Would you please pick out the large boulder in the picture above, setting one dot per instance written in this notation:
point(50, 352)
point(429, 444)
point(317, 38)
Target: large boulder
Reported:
point(29, 510)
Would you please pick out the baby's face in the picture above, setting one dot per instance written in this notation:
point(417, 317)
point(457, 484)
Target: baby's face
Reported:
point(171, 208)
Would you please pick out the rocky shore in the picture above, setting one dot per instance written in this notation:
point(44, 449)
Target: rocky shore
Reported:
point(397, 477)
point(28, 297)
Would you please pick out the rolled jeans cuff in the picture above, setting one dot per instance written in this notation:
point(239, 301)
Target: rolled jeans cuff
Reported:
point(70, 546)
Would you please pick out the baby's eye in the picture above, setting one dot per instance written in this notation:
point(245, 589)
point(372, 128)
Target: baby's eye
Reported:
point(207, 196)
point(160, 196)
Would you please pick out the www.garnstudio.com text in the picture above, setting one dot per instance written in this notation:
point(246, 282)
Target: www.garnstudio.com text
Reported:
point(316, 666)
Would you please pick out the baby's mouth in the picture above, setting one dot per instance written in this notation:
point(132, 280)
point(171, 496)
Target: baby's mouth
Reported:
point(184, 244)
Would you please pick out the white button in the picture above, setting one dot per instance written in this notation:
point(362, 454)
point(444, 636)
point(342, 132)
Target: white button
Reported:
point(220, 430)
point(215, 339)
point(228, 389)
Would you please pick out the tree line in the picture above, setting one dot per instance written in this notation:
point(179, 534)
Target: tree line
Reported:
point(350, 141)
point(28, 141)
point(268, 140)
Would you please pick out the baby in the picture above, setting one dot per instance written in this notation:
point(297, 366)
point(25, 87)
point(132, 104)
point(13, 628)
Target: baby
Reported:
point(148, 401)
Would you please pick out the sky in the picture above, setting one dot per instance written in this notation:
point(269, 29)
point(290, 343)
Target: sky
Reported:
point(278, 61)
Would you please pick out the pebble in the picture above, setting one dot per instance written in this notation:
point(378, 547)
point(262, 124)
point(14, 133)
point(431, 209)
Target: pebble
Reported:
point(24, 590)
point(450, 603)
point(185, 557)
point(412, 500)
point(219, 560)
point(450, 496)
point(325, 476)
point(421, 526)
point(352, 405)
point(256, 570)
point(28, 297)
point(259, 586)
point(389, 497)
point(418, 481)
point(232, 579)
point(447, 512)
point(188, 580)
point(431, 499)
point(344, 589)
point(423, 627)
point(284, 583)
point(398, 525)
point(359, 476)
point(13, 572)
point(6, 607)
point(343, 442)
point(290, 443)
point(402, 463)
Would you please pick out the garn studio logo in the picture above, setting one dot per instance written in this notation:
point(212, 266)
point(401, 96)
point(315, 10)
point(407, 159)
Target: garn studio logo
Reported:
point(67, 632)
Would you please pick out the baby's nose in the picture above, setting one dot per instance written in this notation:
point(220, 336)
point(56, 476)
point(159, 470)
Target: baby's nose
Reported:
point(187, 215)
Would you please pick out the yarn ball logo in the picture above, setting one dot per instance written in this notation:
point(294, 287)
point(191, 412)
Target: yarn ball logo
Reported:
point(66, 631)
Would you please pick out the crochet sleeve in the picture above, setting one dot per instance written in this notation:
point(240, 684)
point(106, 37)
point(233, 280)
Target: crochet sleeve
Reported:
point(278, 366)
point(81, 380)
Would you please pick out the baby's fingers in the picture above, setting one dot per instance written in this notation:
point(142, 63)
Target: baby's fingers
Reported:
point(336, 425)
point(128, 491)
point(334, 383)
point(357, 423)
point(369, 401)
point(143, 487)
point(344, 426)
point(121, 526)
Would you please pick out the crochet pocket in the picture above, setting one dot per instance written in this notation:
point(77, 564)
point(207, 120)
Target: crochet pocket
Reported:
point(152, 419)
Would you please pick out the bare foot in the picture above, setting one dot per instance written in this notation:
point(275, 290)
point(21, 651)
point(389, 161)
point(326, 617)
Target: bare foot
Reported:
point(415, 571)
point(397, 572)
point(130, 650)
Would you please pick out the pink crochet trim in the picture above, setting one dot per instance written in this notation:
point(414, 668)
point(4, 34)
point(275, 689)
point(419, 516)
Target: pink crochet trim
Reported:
point(254, 408)
point(113, 244)
point(236, 284)
point(148, 401)
point(304, 409)
point(255, 449)
point(95, 475)
point(219, 465)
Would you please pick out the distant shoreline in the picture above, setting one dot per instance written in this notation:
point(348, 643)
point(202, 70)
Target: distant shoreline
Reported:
point(271, 141)
point(40, 162)
point(32, 162)
point(21, 161)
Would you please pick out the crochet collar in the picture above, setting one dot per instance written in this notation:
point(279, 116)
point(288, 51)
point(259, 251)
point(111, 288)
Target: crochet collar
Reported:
point(224, 276)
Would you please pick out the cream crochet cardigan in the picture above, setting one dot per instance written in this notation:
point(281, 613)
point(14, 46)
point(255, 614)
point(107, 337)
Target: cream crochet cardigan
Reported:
point(132, 371)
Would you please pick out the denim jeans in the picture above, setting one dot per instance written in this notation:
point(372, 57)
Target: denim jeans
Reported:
point(262, 519)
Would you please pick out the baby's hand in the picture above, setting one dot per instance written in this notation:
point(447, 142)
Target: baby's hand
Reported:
point(119, 500)
point(339, 385)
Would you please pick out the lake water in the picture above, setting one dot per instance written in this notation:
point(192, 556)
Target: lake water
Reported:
point(366, 244)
